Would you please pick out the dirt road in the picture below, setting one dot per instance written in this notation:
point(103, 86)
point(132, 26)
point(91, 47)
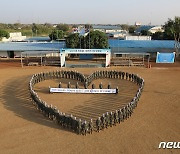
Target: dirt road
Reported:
point(24, 130)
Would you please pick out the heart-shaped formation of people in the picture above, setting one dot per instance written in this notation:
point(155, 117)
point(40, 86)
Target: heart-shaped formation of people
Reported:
point(77, 125)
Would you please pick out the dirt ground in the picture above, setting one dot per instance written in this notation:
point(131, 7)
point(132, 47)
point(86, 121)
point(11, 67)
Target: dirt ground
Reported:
point(24, 130)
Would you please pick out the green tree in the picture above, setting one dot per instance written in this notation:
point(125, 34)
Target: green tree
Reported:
point(96, 40)
point(63, 27)
point(125, 27)
point(34, 28)
point(145, 33)
point(56, 34)
point(172, 31)
point(132, 29)
point(158, 36)
point(73, 41)
point(3, 33)
point(88, 26)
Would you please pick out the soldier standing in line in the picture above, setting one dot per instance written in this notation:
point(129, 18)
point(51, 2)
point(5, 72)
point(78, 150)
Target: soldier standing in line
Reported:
point(109, 86)
point(130, 109)
point(59, 118)
point(103, 74)
point(115, 117)
point(100, 86)
point(98, 124)
point(130, 76)
point(69, 85)
point(110, 73)
point(74, 124)
point(120, 74)
point(114, 74)
point(85, 128)
point(103, 121)
point(63, 120)
point(79, 127)
point(91, 126)
point(60, 74)
point(123, 74)
point(117, 90)
point(56, 112)
point(70, 122)
point(125, 113)
point(106, 74)
point(127, 75)
point(107, 119)
point(100, 74)
point(60, 85)
point(111, 118)
point(93, 86)
point(85, 85)
point(119, 116)
point(77, 85)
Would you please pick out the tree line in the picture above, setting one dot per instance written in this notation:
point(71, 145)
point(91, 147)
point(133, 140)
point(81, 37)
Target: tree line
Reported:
point(94, 39)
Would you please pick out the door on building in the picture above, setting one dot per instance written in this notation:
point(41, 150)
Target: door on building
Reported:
point(10, 54)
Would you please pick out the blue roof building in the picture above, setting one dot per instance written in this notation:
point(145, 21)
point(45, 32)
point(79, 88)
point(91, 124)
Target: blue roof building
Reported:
point(134, 46)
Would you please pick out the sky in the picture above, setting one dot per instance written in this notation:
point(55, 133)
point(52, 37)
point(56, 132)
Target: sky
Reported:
point(155, 12)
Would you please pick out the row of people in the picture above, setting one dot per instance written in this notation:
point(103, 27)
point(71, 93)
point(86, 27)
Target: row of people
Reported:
point(85, 85)
point(87, 80)
point(118, 116)
point(66, 121)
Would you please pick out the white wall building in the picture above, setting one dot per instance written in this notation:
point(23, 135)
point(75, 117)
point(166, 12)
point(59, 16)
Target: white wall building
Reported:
point(107, 28)
point(156, 29)
point(14, 37)
point(137, 38)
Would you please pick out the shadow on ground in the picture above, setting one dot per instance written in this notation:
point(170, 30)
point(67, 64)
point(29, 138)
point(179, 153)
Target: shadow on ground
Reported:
point(15, 97)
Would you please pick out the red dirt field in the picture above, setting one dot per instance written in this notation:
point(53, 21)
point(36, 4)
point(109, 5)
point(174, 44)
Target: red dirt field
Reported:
point(24, 130)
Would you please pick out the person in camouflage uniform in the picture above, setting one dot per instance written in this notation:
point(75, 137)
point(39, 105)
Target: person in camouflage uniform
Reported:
point(85, 85)
point(103, 121)
point(60, 85)
point(93, 86)
point(74, 124)
point(79, 127)
point(115, 117)
point(120, 74)
point(98, 124)
point(127, 75)
point(100, 86)
point(91, 126)
point(85, 128)
point(117, 90)
point(69, 85)
point(107, 119)
point(119, 116)
point(123, 74)
point(130, 77)
point(109, 86)
point(77, 85)
point(111, 119)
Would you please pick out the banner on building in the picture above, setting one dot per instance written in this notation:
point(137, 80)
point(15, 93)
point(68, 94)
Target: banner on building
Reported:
point(165, 57)
point(83, 91)
point(86, 51)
